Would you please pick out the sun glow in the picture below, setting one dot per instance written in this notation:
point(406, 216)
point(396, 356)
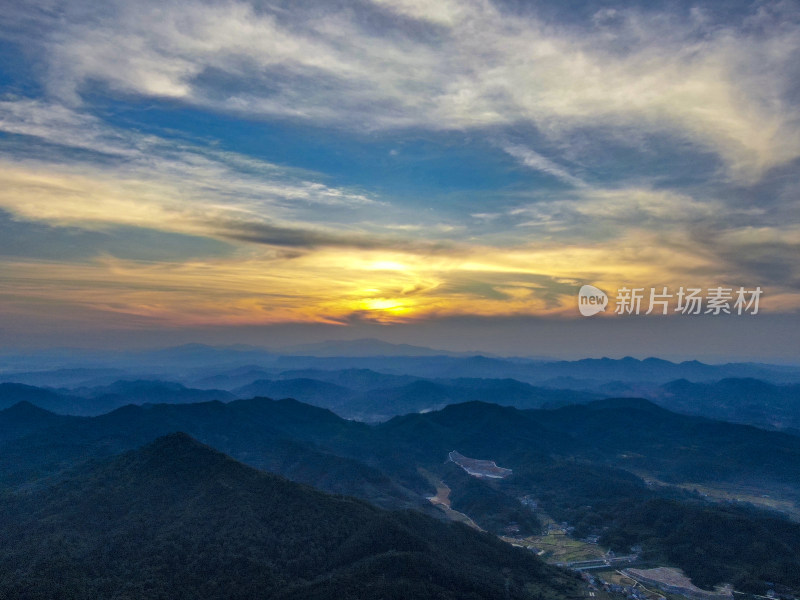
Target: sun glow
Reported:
point(388, 265)
point(388, 305)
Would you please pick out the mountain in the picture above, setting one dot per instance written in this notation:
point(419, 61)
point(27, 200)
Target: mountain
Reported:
point(230, 379)
point(383, 403)
point(640, 436)
point(599, 467)
point(191, 362)
point(102, 399)
point(593, 466)
point(632, 434)
point(423, 394)
point(310, 391)
point(373, 402)
point(589, 374)
point(739, 400)
point(364, 347)
point(355, 379)
point(368, 395)
point(12, 393)
point(712, 543)
point(736, 399)
point(178, 519)
point(476, 429)
point(76, 377)
point(655, 370)
point(285, 436)
point(24, 418)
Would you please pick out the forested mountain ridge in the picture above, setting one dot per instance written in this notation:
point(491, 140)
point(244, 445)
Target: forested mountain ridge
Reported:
point(178, 519)
point(589, 466)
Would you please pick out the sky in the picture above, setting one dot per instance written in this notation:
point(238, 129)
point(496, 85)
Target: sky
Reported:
point(447, 173)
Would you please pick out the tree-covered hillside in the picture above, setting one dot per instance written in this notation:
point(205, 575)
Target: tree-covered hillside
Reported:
point(177, 519)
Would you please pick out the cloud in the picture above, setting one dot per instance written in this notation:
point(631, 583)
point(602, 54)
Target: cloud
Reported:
point(536, 161)
point(137, 180)
point(92, 199)
point(444, 12)
point(308, 237)
point(757, 255)
point(242, 176)
point(58, 124)
point(20, 239)
point(726, 88)
point(621, 207)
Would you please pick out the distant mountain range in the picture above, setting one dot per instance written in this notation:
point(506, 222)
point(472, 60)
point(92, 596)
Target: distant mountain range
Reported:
point(192, 363)
point(364, 347)
point(369, 395)
point(102, 399)
point(391, 399)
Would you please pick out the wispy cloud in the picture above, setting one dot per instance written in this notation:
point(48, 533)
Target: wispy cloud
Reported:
point(536, 161)
point(725, 87)
point(172, 186)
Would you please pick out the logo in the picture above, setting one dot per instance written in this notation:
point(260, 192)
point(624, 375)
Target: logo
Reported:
point(687, 301)
point(591, 300)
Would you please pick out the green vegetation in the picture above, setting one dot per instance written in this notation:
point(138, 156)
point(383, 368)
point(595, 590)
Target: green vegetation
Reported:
point(577, 462)
point(490, 507)
point(180, 520)
point(713, 543)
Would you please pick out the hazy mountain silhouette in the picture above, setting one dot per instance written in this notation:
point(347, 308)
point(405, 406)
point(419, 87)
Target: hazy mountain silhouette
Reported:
point(364, 347)
point(310, 391)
